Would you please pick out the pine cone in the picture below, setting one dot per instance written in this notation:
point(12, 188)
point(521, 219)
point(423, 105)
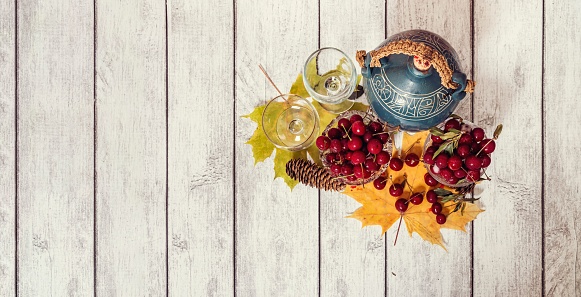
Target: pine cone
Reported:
point(313, 175)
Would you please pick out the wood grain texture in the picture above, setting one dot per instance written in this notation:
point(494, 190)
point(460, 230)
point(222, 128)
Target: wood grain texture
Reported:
point(7, 148)
point(200, 148)
point(412, 260)
point(276, 229)
point(508, 236)
point(352, 259)
point(131, 148)
point(55, 148)
point(562, 117)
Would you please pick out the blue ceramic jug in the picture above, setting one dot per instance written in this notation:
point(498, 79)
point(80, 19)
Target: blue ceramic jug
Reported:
point(413, 80)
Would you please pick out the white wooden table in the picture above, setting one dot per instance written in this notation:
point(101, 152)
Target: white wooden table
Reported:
point(124, 169)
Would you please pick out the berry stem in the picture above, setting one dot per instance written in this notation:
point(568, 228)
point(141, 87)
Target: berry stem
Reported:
point(484, 147)
point(398, 227)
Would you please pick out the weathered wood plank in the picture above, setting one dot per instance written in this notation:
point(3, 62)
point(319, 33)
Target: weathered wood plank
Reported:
point(55, 148)
point(7, 148)
point(413, 261)
point(200, 148)
point(131, 148)
point(562, 116)
point(276, 229)
point(352, 259)
point(508, 236)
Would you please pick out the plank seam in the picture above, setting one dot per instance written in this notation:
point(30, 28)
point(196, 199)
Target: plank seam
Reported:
point(166, 154)
point(472, 65)
point(234, 147)
point(95, 233)
point(385, 274)
point(319, 191)
point(543, 133)
point(16, 147)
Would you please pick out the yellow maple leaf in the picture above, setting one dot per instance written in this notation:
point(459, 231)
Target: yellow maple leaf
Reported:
point(378, 206)
point(262, 148)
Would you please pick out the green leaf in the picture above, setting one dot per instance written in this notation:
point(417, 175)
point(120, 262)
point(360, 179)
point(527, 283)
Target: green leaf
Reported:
point(442, 147)
point(261, 147)
point(442, 192)
point(448, 198)
point(448, 135)
point(497, 131)
point(462, 181)
point(280, 159)
point(437, 131)
point(454, 131)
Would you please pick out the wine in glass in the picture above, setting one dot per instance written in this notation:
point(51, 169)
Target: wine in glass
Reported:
point(330, 78)
point(290, 122)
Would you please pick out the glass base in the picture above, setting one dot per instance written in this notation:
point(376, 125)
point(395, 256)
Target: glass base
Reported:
point(339, 107)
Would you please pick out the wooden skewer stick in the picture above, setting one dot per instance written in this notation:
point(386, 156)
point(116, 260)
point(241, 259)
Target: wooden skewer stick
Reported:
point(271, 82)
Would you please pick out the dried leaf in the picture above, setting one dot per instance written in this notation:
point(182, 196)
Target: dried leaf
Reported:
point(458, 220)
point(497, 131)
point(455, 116)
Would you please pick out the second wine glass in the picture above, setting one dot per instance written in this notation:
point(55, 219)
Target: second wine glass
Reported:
point(330, 78)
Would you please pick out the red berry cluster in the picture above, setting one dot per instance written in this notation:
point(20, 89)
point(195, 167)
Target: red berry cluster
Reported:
point(354, 150)
point(458, 153)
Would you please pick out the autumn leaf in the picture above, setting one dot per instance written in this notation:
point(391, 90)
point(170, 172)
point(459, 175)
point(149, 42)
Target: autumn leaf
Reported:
point(378, 206)
point(262, 148)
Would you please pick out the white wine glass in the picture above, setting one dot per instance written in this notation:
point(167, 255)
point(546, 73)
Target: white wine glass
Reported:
point(290, 122)
point(330, 77)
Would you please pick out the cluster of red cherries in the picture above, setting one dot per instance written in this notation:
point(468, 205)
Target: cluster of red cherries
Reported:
point(465, 153)
point(354, 150)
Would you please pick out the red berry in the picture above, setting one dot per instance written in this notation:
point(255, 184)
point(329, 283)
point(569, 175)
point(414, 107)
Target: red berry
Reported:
point(475, 147)
point(357, 157)
point(472, 162)
point(488, 146)
point(334, 133)
point(436, 139)
point(440, 219)
point(358, 171)
point(452, 124)
point(396, 164)
point(463, 150)
point(375, 127)
point(371, 165)
point(485, 160)
point(473, 175)
point(455, 162)
point(412, 160)
point(330, 157)
point(435, 169)
point(335, 168)
point(431, 196)
point(336, 146)
point(441, 160)
point(446, 173)
point(367, 136)
point(345, 144)
point(432, 149)
point(351, 177)
point(348, 155)
point(323, 142)
point(374, 146)
point(460, 173)
point(401, 205)
point(344, 124)
point(354, 118)
point(355, 143)
point(382, 158)
point(347, 169)
point(429, 158)
point(380, 183)
point(417, 198)
point(384, 137)
point(396, 190)
point(477, 134)
point(358, 128)
point(430, 180)
point(436, 208)
point(465, 139)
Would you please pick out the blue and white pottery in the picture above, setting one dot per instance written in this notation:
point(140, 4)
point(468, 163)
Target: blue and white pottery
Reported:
point(402, 95)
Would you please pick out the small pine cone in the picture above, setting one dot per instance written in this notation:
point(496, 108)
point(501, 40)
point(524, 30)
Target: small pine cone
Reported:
point(313, 175)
